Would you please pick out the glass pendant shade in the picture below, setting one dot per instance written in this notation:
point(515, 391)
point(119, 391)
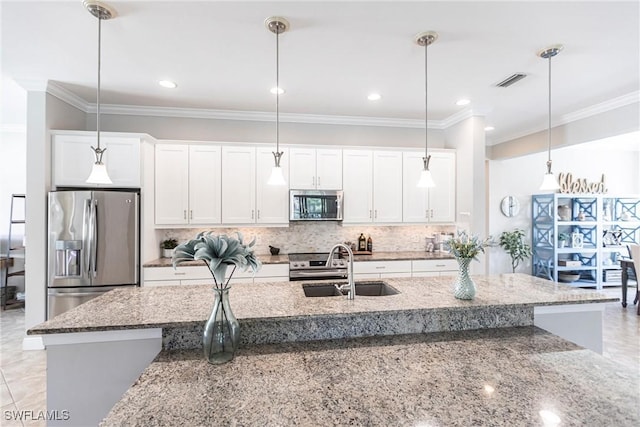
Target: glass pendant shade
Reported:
point(426, 180)
point(276, 177)
point(99, 175)
point(549, 182)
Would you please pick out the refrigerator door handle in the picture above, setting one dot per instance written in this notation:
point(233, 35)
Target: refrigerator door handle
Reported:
point(87, 233)
point(94, 238)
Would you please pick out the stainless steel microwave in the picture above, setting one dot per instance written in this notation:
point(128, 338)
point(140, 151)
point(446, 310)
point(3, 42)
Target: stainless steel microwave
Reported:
point(315, 205)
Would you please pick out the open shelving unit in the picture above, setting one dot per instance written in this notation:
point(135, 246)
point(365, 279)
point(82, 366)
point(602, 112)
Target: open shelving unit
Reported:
point(603, 226)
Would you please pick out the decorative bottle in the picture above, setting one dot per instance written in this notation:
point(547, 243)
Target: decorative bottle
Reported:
point(369, 244)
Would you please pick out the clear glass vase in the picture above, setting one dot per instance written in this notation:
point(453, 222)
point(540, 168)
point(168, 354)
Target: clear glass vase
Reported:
point(222, 330)
point(464, 287)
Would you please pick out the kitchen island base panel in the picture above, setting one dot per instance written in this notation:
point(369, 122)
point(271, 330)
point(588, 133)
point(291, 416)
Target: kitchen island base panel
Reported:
point(581, 324)
point(354, 325)
point(87, 373)
point(501, 376)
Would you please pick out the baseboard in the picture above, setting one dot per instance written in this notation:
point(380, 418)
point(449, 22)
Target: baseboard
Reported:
point(32, 343)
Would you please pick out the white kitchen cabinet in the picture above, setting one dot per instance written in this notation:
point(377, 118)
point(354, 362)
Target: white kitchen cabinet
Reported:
point(435, 204)
point(205, 184)
point(272, 201)
point(238, 185)
point(315, 169)
point(171, 184)
point(381, 269)
point(73, 158)
point(200, 275)
point(433, 267)
point(372, 184)
point(187, 184)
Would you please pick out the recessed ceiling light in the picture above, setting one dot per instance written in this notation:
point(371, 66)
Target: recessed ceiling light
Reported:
point(374, 97)
point(277, 90)
point(463, 102)
point(168, 84)
point(489, 128)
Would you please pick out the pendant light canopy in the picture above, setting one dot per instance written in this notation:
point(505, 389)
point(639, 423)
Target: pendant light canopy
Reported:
point(99, 173)
point(277, 26)
point(549, 182)
point(426, 39)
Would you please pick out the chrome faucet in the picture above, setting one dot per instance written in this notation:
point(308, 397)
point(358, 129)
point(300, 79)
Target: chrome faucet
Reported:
point(352, 283)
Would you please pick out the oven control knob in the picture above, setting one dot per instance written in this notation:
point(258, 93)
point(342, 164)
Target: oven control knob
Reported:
point(335, 263)
point(295, 264)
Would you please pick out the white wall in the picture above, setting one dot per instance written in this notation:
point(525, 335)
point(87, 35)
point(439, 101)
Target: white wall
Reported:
point(522, 176)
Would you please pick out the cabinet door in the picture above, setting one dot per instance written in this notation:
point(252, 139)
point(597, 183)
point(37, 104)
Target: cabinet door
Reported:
point(414, 199)
point(73, 159)
point(357, 186)
point(302, 168)
point(387, 186)
point(272, 201)
point(442, 197)
point(123, 161)
point(238, 185)
point(204, 184)
point(329, 169)
point(172, 184)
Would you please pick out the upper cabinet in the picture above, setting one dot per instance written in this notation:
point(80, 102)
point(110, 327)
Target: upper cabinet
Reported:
point(187, 184)
point(238, 185)
point(372, 184)
point(315, 169)
point(435, 204)
point(73, 158)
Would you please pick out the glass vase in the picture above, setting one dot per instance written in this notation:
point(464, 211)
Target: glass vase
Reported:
point(464, 287)
point(222, 330)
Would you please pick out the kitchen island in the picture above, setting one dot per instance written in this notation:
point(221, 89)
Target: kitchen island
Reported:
point(128, 328)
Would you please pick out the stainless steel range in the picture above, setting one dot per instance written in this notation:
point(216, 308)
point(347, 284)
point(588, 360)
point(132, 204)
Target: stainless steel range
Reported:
point(311, 266)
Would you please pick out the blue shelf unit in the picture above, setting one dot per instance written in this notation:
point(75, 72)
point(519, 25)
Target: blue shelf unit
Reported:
point(605, 225)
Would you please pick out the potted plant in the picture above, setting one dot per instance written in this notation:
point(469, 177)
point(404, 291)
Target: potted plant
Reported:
point(168, 246)
point(563, 238)
point(513, 243)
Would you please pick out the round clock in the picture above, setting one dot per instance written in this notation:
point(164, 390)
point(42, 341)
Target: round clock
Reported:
point(510, 206)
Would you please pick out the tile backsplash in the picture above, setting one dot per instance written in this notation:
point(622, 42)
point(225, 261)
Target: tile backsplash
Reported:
point(321, 236)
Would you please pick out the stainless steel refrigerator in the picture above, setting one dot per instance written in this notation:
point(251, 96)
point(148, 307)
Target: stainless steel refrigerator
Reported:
point(93, 245)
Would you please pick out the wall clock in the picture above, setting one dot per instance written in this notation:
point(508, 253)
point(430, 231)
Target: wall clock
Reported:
point(510, 206)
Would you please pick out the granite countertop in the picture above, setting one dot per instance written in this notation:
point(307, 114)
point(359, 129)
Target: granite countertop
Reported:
point(188, 305)
point(508, 376)
point(284, 259)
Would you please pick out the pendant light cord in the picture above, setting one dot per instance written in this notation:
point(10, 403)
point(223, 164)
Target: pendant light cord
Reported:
point(98, 92)
point(549, 125)
point(278, 90)
point(426, 97)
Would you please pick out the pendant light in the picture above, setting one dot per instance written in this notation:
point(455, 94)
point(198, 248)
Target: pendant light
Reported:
point(549, 182)
point(277, 26)
point(426, 39)
point(99, 173)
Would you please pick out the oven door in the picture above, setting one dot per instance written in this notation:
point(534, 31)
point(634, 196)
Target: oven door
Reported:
point(331, 274)
point(309, 205)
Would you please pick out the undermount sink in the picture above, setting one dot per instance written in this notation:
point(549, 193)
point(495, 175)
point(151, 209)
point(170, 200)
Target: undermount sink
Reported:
point(368, 289)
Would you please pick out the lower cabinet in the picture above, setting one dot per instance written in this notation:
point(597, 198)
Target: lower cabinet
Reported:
point(381, 269)
point(200, 275)
point(431, 267)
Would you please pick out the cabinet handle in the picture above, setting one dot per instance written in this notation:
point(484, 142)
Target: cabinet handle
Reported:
point(431, 213)
point(179, 274)
point(191, 214)
point(184, 214)
point(370, 214)
point(318, 181)
point(252, 213)
point(440, 265)
point(382, 267)
point(258, 213)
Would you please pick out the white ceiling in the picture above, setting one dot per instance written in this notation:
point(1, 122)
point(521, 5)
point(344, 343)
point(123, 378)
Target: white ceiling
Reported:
point(334, 55)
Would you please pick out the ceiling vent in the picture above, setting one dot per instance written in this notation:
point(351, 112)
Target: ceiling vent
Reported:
point(511, 80)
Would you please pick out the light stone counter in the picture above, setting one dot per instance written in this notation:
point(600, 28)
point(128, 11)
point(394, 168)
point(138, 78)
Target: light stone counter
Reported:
point(275, 312)
point(284, 259)
point(507, 377)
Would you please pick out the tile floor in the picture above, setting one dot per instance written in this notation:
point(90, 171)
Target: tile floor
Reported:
point(23, 385)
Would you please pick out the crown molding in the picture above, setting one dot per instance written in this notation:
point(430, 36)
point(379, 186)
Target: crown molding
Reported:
point(67, 96)
point(259, 116)
point(603, 107)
